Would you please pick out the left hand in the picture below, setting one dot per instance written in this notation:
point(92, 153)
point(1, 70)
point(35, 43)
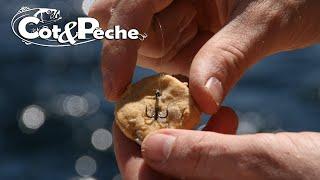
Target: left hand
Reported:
point(171, 153)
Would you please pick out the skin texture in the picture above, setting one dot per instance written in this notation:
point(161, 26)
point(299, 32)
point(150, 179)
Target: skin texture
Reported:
point(213, 42)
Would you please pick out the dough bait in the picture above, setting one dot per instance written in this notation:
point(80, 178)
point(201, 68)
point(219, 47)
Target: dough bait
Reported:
point(154, 103)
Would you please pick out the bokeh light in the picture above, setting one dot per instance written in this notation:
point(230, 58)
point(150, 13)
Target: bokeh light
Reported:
point(93, 102)
point(101, 139)
point(250, 122)
point(86, 166)
point(76, 106)
point(33, 117)
point(246, 127)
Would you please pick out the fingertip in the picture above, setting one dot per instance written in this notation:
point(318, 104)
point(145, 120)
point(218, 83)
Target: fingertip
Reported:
point(180, 153)
point(112, 95)
point(118, 61)
point(206, 82)
point(109, 93)
point(202, 95)
point(154, 141)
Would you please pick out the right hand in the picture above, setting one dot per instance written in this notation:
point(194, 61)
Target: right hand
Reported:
point(213, 42)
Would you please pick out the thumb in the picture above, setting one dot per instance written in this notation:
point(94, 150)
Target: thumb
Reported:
point(220, 63)
point(201, 155)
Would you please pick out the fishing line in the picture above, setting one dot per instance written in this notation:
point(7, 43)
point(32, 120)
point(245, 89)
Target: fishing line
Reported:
point(162, 51)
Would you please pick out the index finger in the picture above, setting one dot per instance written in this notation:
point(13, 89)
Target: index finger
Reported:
point(119, 56)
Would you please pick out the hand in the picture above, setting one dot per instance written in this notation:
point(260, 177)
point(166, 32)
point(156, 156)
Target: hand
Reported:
point(212, 41)
point(189, 154)
point(206, 155)
point(133, 166)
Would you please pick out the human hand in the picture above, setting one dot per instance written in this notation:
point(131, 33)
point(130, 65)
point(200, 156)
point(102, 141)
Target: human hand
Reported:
point(186, 154)
point(214, 48)
point(128, 154)
point(211, 41)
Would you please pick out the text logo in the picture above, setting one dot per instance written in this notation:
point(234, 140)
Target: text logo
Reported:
point(42, 26)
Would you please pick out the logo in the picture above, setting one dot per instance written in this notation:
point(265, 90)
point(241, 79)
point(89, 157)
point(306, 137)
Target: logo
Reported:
point(42, 27)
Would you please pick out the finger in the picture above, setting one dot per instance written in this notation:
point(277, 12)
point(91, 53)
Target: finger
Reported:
point(224, 58)
point(165, 54)
point(167, 28)
point(224, 122)
point(179, 64)
point(101, 10)
point(207, 155)
point(198, 154)
point(129, 160)
point(127, 152)
point(119, 57)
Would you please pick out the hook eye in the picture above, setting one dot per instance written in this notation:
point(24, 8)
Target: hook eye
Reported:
point(158, 93)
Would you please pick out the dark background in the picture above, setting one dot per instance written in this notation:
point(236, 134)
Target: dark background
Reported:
point(282, 93)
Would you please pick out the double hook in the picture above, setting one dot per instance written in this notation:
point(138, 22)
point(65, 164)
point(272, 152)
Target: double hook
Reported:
point(157, 112)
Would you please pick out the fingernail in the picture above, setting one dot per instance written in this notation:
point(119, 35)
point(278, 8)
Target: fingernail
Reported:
point(157, 147)
point(215, 89)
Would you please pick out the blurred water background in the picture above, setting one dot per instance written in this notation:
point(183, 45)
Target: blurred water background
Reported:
point(56, 124)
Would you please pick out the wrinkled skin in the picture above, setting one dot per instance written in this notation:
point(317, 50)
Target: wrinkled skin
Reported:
point(213, 42)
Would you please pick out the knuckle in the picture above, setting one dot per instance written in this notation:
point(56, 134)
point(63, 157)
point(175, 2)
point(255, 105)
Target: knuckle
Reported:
point(200, 152)
point(201, 146)
point(259, 159)
point(233, 60)
point(269, 18)
point(205, 150)
point(278, 11)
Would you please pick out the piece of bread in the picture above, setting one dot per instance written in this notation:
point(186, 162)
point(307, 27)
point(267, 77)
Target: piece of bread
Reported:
point(136, 114)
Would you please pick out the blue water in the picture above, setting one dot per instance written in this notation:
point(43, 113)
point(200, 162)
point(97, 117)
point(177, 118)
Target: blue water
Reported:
point(281, 93)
